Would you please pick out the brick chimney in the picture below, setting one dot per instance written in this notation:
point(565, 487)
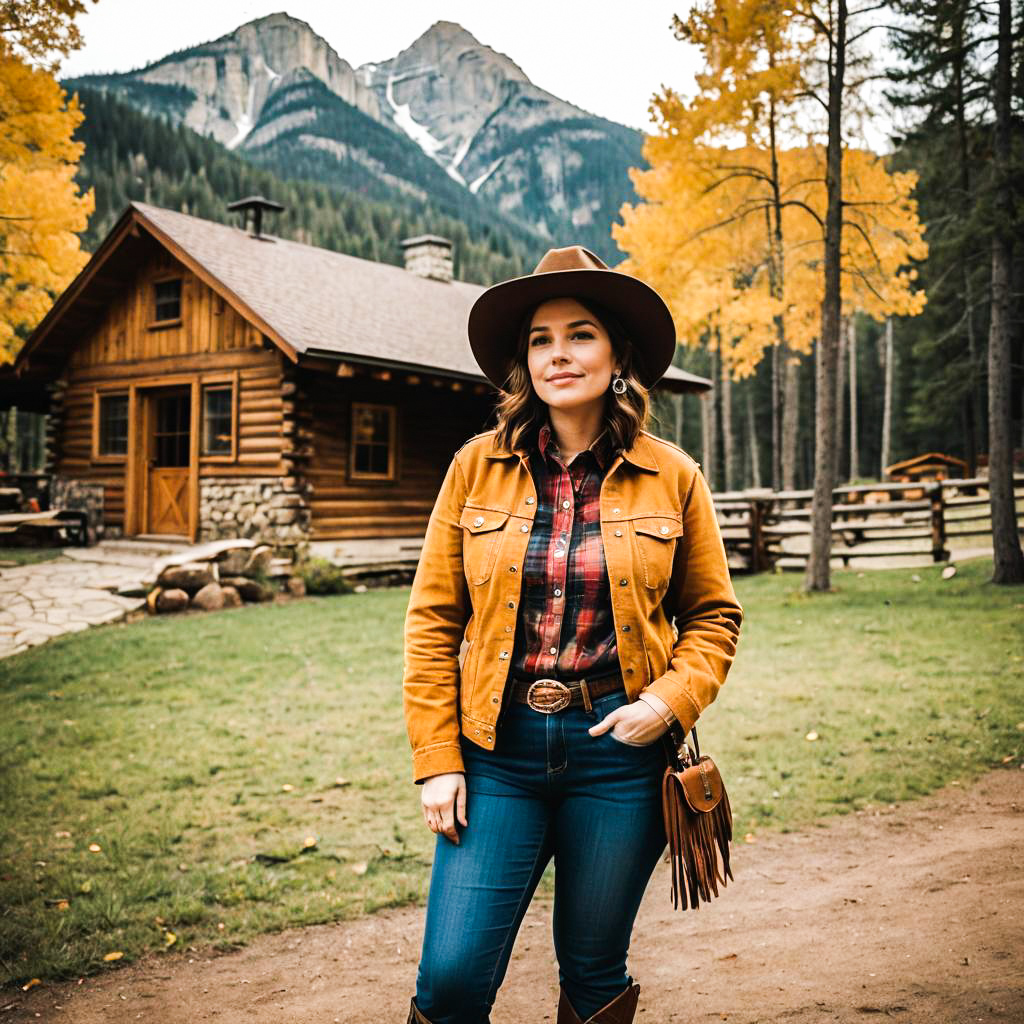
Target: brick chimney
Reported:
point(429, 256)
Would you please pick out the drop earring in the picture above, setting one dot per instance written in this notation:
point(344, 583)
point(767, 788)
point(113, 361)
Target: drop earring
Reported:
point(619, 385)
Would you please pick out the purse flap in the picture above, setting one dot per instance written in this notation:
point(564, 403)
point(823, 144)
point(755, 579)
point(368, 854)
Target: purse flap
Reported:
point(702, 784)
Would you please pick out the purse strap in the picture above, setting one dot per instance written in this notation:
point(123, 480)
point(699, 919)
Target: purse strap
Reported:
point(678, 742)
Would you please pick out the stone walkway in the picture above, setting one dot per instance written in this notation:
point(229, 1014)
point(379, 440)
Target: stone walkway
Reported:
point(63, 595)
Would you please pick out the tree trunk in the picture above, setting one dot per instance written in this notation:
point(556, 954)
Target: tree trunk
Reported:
point(728, 447)
point(1008, 559)
point(778, 369)
point(755, 460)
point(887, 368)
point(817, 575)
point(851, 347)
point(975, 428)
point(790, 417)
point(709, 416)
point(841, 459)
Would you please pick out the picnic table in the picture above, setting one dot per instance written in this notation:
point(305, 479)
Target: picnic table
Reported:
point(72, 521)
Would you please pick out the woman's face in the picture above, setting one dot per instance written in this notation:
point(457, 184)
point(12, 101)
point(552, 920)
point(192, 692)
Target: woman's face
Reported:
point(569, 354)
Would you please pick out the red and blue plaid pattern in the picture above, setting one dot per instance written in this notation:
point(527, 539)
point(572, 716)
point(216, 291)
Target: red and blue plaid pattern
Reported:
point(565, 627)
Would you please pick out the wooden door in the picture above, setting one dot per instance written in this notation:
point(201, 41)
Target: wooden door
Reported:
point(167, 490)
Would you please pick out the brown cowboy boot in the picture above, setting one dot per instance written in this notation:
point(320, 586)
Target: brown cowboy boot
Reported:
point(415, 1017)
point(621, 1010)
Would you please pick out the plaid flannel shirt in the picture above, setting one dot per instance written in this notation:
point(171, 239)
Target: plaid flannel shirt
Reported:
point(565, 627)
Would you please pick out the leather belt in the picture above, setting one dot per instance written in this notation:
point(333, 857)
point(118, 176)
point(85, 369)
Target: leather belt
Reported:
point(549, 695)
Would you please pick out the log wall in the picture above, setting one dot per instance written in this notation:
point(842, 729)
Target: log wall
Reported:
point(124, 350)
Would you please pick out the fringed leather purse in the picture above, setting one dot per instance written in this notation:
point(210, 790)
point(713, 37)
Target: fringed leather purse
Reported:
point(698, 820)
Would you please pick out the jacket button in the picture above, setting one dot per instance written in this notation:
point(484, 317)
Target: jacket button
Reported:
point(526, 529)
point(512, 568)
point(504, 654)
point(494, 699)
point(623, 582)
point(476, 732)
point(479, 521)
point(615, 511)
point(529, 501)
point(664, 529)
point(618, 533)
point(625, 629)
point(511, 604)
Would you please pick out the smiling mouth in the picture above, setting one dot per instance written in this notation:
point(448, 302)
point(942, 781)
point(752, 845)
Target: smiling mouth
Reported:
point(565, 376)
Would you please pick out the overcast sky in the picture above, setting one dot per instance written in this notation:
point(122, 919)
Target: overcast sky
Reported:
point(607, 58)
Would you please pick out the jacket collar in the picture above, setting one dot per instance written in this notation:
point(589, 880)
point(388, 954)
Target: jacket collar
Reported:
point(641, 454)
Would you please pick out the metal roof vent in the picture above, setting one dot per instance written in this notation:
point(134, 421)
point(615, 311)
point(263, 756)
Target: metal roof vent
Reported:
point(257, 204)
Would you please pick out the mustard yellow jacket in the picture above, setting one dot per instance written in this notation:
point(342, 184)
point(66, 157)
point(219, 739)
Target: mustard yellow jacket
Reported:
point(666, 561)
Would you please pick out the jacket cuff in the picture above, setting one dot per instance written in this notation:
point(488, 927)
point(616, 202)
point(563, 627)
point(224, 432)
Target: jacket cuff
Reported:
point(435, 760)
point(682, 704)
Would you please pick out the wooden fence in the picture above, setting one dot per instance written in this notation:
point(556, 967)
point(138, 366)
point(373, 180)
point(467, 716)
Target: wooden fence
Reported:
point(765, 529)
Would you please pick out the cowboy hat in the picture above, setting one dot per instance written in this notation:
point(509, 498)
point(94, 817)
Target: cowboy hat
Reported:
point(497, 314)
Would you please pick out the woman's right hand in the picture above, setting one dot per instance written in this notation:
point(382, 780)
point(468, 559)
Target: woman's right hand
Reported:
point(444, 795)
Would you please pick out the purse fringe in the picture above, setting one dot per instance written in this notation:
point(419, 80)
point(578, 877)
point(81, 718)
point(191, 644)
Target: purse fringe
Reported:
point(697, 841)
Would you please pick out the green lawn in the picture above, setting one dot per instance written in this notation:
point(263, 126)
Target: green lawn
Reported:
point(204, 755)
point(29, 556)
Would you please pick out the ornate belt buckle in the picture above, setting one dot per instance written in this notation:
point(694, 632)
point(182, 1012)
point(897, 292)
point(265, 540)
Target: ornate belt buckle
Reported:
point(551, 705)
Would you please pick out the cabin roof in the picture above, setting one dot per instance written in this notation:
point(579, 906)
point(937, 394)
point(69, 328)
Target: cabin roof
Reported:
point(308, 300)
point(925, 460)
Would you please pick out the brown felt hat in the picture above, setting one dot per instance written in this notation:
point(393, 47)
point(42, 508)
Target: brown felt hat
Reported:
point(497, 314)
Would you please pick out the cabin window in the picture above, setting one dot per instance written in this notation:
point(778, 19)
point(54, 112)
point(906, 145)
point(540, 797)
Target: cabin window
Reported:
point(168, 300)
point(373, 441)
point(218, 419)
point(113, 425)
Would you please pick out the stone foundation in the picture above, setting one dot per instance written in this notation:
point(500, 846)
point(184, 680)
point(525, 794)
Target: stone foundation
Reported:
point(270, 510)
point(84, 496)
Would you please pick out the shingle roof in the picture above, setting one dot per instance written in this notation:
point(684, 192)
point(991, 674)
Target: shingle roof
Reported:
point(320, 301)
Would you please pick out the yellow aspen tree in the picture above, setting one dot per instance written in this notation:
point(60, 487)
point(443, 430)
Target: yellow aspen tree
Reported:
point(41, 207)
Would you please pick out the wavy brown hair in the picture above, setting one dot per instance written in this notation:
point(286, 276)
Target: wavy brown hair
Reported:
point(520, 411)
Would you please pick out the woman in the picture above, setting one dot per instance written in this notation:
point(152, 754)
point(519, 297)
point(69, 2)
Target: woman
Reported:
point(541, 660)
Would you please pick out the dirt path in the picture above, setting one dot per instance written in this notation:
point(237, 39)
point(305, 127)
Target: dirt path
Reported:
point(914, 913)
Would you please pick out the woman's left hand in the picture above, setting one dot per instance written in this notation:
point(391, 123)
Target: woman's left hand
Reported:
point(637, 724)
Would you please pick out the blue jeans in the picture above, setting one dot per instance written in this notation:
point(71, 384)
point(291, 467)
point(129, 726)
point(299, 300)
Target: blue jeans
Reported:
point(547, 789)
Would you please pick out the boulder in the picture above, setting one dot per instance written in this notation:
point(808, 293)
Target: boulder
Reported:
point(296, 586)
point(259, 559)
point(173, 600)
point(209, 598)
point(232, 563)
point(249, 590)
point(191, 576)
point(232, 598)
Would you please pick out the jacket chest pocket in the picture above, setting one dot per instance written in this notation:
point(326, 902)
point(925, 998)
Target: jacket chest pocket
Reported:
point(482, 532)
point(655, 538)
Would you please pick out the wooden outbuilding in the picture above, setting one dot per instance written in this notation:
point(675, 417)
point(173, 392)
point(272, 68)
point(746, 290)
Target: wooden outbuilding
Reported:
point(206, 380)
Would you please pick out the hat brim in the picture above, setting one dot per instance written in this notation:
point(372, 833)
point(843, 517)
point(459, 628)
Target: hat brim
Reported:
point(497, 314)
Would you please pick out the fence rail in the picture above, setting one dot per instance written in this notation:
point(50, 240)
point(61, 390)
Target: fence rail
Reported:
point(765, 529)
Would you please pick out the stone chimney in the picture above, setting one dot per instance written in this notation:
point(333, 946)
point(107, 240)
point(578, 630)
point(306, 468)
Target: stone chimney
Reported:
point(256, 205)
point(429, 256)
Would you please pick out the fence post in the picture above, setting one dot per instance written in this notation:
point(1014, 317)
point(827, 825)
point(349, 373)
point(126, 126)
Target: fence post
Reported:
point(939, 552)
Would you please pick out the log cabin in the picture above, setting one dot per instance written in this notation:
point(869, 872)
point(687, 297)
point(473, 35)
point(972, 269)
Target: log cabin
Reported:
point(206, 380)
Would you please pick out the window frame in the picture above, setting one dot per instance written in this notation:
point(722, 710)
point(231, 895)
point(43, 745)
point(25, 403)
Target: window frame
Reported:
point(229, 380)
point(391, 473)
point(154, 323)
point(100, 393)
